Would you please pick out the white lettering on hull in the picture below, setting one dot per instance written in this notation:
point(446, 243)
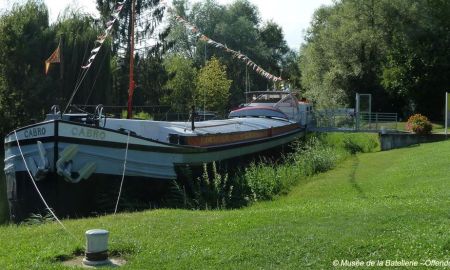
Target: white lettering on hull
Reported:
point(88, 133)
point(35, 132)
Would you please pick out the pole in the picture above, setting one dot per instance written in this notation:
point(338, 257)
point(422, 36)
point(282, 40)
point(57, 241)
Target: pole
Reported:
point(61, 67)
point(357, 112)
point(446, 113)
point(131, 82)
point(61, 59)
point(204, 96)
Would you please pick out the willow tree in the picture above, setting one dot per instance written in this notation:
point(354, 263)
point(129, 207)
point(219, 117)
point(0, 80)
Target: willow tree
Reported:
point(76, 33)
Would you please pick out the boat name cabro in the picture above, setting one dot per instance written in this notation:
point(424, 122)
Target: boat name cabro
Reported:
point(34, 132)
point(88, 133)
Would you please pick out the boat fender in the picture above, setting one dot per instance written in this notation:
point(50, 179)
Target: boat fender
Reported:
point(64, 163)
point(39, 171)
point(76, 177)
point(64, 166)
point(43, 154)
point(66, 171)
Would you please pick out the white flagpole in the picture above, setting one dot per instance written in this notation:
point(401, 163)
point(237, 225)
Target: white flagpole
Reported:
point(446, 112)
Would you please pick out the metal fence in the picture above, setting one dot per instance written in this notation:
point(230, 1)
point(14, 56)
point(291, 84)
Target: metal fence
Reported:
point(377, 121)
point(347, 119)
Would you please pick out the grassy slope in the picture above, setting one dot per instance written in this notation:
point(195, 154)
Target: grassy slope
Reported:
point(386, 205)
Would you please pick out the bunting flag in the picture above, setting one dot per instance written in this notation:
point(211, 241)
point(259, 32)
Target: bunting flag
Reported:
point(101, 39)
point(196, 32)
point(54, 58)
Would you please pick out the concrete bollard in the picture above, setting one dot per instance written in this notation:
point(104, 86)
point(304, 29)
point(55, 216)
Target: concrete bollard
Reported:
point(96, 247)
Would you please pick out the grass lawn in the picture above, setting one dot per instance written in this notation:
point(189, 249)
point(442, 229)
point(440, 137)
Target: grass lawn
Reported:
point(438, 127)
point(382, 206)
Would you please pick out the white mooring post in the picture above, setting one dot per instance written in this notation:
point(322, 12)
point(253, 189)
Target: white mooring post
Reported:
point(96, 247)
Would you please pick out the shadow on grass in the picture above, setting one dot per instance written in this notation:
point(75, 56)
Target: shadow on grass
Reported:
point(352, 178)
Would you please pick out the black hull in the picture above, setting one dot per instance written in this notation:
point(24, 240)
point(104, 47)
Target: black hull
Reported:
point(94, 196)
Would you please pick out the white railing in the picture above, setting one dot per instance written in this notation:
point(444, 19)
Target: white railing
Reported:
point(377, 121)
point(347, 119)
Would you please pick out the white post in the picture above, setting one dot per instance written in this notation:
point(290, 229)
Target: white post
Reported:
point(96, 248)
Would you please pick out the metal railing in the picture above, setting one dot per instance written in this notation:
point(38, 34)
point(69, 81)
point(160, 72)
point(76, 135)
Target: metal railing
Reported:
point(377, 121)
point(347, 119)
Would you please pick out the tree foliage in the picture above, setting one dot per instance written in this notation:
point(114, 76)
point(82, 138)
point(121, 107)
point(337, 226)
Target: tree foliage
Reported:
point(397, 50)
point(180, 86)
point(148, 15)
point(76, 33)
point(238, 25)
point(24, 40)
point(213, 87)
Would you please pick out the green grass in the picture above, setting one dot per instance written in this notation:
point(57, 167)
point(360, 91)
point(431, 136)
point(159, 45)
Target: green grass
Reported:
point(438, 127)
point(380, 206)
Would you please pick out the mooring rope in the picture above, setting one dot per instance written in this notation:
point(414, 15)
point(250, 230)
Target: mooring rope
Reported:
point(123, 173)
point(39, 192)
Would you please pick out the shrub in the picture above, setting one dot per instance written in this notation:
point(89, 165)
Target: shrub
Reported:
point(419, 124)
point(263, 181)
point(315, 157)
point(139, 115)
point(211, 190)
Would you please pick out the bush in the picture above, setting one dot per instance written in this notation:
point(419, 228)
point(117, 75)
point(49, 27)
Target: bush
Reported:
point(211, 190)
point(263, 181)
point(139, 115)
point(315, 157)
point(419, 124)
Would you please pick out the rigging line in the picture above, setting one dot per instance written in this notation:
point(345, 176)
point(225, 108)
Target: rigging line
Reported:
point(84, 57)
point(77, 86)
point(76, 90)
point(95, 80)
point(83, 71)
point(123, 173)
point(39, 193)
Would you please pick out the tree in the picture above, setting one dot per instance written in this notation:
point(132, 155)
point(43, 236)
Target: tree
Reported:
point(416, 68)
point(76, 32)
point(148, 15)
point(238, 25)
point(24, 44)
point(343, 52)
point(397, 50)
point(213, 87)
point(180, 86)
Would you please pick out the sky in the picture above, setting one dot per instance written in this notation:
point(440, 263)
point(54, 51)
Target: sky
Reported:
point(294, 16)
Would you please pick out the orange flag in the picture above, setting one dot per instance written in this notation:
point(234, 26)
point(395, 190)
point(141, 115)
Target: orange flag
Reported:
point(54, 58)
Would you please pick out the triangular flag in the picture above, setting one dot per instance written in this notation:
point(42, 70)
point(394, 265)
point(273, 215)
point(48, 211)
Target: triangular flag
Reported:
point(54, 58)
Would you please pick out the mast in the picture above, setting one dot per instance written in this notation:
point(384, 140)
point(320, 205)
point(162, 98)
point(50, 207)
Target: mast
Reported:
point(131, 82)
